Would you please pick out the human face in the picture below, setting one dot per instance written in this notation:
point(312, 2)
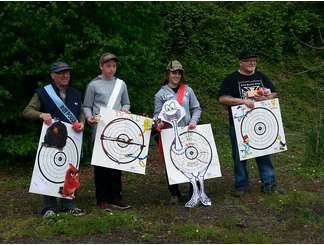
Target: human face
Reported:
point(247, 66)
point(174, 78)
point(108, 69)
point(61, 79)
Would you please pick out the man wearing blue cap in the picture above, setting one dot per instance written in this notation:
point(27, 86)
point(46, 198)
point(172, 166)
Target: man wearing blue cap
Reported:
point(242, 87)
point(43, 107)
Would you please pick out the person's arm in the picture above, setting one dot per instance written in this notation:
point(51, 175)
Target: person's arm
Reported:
point(32, 111)
point(88, 104)
point(125, 100)
point(195, 110)
point(230, 101)
point(82, 116)
point(158, 103)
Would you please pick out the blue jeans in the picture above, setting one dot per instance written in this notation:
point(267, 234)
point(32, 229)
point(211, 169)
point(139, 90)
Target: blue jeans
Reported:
point(265, 166)
point(50, 202)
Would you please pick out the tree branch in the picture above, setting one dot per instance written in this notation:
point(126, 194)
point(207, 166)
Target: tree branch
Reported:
point(306, 44)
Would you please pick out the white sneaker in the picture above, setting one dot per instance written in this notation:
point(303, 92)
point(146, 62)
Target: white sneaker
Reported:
point(49, 213)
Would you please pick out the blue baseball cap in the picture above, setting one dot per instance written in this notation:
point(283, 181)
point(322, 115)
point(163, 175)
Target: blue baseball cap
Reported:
point(60, 66)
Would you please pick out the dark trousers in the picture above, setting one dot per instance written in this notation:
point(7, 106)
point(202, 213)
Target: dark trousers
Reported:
point(265, 166)
point(108, 183)
point(174, 189)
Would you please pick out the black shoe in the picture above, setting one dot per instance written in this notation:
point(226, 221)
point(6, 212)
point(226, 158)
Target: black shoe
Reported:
point(270, 189)
point(119, 203)
point(174, 200)
point(239, 193)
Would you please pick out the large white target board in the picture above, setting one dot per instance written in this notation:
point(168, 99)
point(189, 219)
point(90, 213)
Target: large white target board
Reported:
point(259, 131)
point(198, 156)
point(52, 163)
point(122, 141)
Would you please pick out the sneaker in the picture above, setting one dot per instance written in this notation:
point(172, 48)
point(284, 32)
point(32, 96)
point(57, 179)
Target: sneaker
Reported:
point(174, 200)
point(49, 213)
point(75, 211)
point(104, 205)
point(279, 190)
point(119, 203)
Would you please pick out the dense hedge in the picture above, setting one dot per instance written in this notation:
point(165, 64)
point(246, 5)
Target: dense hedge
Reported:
point(205, 37)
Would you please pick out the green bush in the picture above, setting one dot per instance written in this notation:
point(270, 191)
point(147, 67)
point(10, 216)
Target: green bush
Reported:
point(204, 36)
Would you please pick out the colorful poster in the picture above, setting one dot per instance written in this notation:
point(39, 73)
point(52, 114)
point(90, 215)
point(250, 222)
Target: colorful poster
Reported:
point(122, 141)
point(259, 131)
point(58, 154)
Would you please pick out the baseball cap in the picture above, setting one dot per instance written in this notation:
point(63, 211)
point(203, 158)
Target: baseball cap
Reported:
point(246, 54)
point(106, 57)
point(60, 66)
point(174, 65)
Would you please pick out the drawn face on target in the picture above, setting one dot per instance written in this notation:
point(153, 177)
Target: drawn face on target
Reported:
point(262, 128)
point(53, 163)
point(195, 156)
point(122, 140)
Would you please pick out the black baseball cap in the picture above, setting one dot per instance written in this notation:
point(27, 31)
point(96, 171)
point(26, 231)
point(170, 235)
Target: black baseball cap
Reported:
point(246, 54)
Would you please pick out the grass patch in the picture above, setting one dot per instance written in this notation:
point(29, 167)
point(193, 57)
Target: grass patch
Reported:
point(99, 222)
point(210, 234)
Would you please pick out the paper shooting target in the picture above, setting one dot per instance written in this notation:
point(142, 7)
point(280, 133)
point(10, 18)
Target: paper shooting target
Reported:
point(196, 153)
point(122, 140)
point(262, 128)
point(53, 162)
point(259, 131)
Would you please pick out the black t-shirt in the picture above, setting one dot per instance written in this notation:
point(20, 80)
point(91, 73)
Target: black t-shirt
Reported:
point(238, 85)
point(175, 89)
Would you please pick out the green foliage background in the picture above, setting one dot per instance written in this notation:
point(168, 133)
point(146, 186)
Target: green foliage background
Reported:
point(206, 37)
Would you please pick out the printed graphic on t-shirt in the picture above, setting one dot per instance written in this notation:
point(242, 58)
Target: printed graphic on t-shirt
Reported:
point(246, 86)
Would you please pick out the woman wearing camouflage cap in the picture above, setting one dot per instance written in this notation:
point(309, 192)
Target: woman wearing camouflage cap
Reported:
point(174, 87)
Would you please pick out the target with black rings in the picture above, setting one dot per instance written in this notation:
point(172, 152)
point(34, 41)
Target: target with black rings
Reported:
point(262, 128)
point(122, 140)
point(196, 154)
point(53, 163)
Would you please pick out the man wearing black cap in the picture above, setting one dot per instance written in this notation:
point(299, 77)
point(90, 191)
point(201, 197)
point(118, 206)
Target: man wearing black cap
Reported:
point(242, 87)
point(42, 107)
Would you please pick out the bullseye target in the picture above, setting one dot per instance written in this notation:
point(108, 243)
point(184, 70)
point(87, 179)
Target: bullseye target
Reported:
point(261, 127)
point(53, 162)
point(195, 155)
point(122, 140)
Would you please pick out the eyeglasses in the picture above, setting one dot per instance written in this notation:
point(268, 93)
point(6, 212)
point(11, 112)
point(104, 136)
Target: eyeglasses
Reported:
point(249, 61)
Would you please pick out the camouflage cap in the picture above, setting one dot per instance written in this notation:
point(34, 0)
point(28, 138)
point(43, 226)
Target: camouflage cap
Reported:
point(174, 65)
point(106, 57)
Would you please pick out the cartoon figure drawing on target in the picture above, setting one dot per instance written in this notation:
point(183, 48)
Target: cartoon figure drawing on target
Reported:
point(245, 148)
point(190, 152)
point(240, 114)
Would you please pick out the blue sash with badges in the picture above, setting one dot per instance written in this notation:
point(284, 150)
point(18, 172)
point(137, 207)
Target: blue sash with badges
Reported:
point(59, 103)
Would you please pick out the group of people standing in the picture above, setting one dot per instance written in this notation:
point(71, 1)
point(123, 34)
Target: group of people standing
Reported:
point(106, 89)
